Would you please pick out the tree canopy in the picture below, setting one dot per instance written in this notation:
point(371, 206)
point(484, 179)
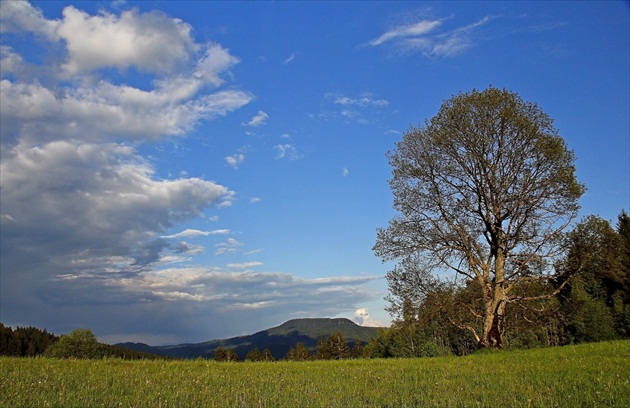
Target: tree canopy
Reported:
point(484, 189)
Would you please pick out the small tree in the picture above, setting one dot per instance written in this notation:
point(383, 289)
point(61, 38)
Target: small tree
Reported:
point(333, 348)
point(267, 356)
point(254, 355)
point(484, 190)
point(299, 353)
point(220, 354)
point(357, 349)
point(80, 343)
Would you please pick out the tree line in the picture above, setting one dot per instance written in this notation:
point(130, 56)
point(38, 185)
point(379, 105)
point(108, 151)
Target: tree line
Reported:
point(80, 344)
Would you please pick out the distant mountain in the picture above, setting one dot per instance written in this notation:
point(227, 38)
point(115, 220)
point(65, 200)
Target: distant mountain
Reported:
point(277, 339)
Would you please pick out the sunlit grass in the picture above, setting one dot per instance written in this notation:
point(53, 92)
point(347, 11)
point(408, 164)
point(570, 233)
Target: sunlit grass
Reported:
point(595, 374)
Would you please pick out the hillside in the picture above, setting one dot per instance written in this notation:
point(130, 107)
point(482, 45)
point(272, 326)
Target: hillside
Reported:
point(277, 339)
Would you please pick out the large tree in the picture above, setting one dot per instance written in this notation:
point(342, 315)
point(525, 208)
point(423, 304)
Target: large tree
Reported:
point(484, 189)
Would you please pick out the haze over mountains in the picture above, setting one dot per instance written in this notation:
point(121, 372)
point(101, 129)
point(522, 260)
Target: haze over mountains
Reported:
point(277, 339)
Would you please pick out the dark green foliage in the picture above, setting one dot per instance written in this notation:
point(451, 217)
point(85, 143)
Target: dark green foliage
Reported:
point(253, 355)
point(357, 349)
point(596, 301)
point(298, 353)
point(24, 341)
point(256, 355)
point(592, 305)
point(332, 348)
point(81, 343)
point(30, 342)
point(225, 355)
point(267, 356)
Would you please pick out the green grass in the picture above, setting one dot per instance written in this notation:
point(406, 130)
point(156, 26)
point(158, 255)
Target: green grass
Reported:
point(588, 375)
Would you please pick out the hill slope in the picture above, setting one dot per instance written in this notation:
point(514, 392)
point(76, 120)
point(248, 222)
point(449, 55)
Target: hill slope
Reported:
point(277, 339)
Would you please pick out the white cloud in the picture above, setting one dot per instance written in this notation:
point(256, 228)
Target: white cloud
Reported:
point(90, 108)
point(258, 120)
point(189, 233)
point(255, 200)
point(231, 245)
point(289, 59)
point(287, 151)
point(362, 109)
point(345, 171)
point(425, 38)
point(405, 31)
point(37, 114)
point(235, 160)
point(362, 318)
point(244, 265)
point(17, 16)
point(365, 99)
point(152, 41)
point(215, 61)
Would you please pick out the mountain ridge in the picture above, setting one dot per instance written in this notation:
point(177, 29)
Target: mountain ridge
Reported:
point(278, 339)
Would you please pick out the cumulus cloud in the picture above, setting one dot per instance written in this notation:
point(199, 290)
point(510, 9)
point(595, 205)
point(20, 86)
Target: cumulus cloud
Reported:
point(96, 109)
point(235, 160)
point(93, 199)
point(18, 16)
point(37, 114)
point(152, 41)
point(363, 318)
point(426, 38)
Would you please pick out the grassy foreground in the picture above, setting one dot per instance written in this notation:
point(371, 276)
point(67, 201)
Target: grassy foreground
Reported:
point(588, 375)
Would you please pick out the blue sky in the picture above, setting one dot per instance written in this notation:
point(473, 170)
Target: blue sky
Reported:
point(183, 171)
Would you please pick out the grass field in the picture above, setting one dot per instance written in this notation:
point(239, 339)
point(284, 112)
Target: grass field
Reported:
point(588, 375)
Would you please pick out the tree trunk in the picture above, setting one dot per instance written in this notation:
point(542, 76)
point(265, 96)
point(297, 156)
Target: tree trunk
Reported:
point(491, 336)
point(494, 311)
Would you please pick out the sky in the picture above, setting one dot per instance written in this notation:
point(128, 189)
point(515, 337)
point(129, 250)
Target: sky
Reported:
point(184, 171)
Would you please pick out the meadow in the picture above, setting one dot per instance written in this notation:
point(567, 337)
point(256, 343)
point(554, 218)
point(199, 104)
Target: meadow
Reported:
point(586, 375)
